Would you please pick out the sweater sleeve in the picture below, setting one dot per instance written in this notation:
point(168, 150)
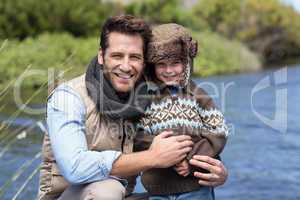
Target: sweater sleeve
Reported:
point(144, 135)
point(214, 131)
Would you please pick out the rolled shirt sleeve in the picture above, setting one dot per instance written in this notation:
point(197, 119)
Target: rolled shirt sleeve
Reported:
point(66, 126)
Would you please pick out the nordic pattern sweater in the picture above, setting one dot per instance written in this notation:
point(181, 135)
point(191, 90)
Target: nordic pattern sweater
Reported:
point(187, 111)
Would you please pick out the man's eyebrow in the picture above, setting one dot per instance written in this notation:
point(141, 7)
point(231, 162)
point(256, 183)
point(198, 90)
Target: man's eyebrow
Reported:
point(116, 53)
point(137, 54)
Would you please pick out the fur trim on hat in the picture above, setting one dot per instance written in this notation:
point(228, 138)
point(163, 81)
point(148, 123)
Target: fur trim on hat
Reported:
point(172, 42)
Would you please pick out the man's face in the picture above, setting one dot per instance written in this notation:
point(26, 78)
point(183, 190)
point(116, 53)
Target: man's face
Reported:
point(123, 60)
point(170, 73)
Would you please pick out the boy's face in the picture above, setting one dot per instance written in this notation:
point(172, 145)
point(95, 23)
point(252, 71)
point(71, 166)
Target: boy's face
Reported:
point(169, 72)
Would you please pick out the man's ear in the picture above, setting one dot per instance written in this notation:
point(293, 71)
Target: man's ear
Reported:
point(100, 57)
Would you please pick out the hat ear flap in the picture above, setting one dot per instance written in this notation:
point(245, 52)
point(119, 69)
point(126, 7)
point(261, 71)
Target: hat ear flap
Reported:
point(185, 51)
point(190, 46)
point(193, 49)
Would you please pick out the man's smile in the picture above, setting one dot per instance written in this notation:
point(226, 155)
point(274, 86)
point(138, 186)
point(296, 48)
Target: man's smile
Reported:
point(123, 75)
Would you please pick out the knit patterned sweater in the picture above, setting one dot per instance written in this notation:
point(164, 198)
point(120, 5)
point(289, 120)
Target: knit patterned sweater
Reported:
point(190, 112)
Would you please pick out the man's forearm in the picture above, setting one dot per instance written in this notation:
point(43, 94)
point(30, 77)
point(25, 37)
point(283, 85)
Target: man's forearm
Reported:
point(132, 164)
point(165, 151)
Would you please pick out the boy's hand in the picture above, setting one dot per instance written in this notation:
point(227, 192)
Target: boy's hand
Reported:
point(183, 168)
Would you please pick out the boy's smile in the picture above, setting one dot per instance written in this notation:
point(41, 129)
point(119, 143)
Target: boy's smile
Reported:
point(170, 73)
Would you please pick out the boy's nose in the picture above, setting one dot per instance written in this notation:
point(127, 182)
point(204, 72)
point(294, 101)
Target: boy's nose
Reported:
point(169, 69)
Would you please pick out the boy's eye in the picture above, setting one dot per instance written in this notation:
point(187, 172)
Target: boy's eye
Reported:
point(176, 63)
point(160, 64)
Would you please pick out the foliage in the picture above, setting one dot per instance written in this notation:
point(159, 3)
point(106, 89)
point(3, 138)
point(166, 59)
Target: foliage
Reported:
point(23, 18)
point(156, 11)
point(223, 28)
point(164, 11)
point(64, 52)
point(218, 55)
point(59, 51)
point(267, 27)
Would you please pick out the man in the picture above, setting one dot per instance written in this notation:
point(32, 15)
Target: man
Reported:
point(88, 151)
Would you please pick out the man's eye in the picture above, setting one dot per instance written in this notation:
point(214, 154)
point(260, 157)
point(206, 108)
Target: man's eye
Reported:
point(117, 56)
point(136, 58)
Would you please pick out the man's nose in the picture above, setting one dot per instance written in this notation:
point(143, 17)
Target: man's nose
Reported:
point(125, 66)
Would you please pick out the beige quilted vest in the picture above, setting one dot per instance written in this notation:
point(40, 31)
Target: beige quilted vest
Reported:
point(102, 133)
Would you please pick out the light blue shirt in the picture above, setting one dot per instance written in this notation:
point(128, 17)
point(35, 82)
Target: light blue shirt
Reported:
point(66, 126)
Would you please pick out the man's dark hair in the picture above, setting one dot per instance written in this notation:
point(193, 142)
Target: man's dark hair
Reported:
point(126, 24)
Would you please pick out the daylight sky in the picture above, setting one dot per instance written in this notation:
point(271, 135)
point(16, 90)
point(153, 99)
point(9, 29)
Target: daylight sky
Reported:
point(295, 3)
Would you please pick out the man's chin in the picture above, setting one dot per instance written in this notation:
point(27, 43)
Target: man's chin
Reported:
point(121, 86)
point(124, 88)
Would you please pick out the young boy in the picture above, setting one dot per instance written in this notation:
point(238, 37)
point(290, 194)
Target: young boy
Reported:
point(178, 105)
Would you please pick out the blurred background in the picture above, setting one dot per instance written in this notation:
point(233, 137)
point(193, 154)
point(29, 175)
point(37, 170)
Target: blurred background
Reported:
point(249, 61)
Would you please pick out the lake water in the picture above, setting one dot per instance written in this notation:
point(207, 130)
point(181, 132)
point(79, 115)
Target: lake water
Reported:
point(262, 153)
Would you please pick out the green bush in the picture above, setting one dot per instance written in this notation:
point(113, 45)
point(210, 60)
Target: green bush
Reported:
point(267, 27)
point(160, 11)
point(23, 18)
point(59, 51)
point(218, 55)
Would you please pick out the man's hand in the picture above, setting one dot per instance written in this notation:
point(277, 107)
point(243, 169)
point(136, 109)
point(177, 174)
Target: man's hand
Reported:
point(183, 168)
point(167, 150)
point(218, 173)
